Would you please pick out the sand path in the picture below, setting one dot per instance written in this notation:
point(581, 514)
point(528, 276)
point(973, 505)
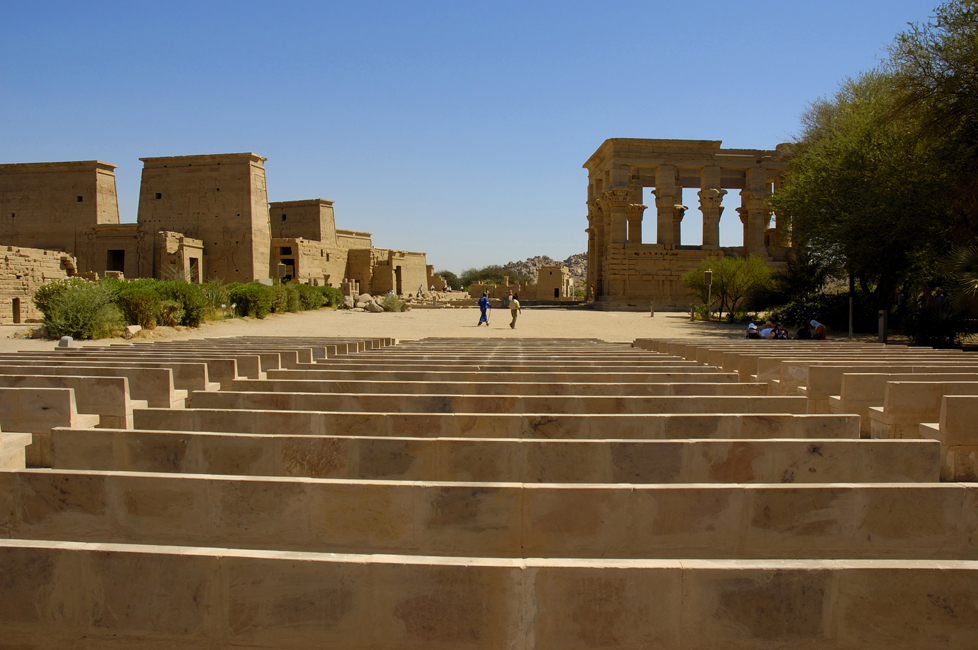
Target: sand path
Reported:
point(539, 322)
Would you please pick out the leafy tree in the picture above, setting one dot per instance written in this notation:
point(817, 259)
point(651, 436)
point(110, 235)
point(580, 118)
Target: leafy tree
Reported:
point(451, 279)
point(735, 278)
point(492, 274)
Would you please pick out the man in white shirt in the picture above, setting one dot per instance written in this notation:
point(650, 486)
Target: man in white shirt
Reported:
point(514, 309)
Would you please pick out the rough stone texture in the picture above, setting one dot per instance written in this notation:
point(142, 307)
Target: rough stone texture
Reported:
point(22, 272)
point(529, 494)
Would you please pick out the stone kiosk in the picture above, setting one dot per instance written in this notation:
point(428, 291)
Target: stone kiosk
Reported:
point(628, 271)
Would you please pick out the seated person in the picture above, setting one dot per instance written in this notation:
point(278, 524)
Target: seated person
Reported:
point(752, 332)
point(767, 329)
point(804, 332)
point(779, 333)
point(819, 333)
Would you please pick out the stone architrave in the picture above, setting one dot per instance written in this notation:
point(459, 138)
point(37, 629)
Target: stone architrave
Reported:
point(711, 205)
point(635, 212)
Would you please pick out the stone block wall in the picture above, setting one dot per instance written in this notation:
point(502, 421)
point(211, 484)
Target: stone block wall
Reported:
point(22, 271)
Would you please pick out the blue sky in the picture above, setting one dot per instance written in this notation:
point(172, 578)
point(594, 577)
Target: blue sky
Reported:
point(456, 128)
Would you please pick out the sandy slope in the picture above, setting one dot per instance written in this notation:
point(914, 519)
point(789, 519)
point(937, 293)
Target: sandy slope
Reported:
point(421, 323)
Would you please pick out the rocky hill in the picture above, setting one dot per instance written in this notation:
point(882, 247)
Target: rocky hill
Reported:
point(577, 264)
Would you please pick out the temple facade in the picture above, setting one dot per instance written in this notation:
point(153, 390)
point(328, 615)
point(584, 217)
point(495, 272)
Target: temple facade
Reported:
point(629, 270)
point(201, 217)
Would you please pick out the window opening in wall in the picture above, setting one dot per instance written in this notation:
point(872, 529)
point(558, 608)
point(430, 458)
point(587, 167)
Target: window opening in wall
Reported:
point(16, 311)
point(13, 214)
point(115, 260)
point(283, 217)
point(218, 189)
point(80, 199)
point(159, 195)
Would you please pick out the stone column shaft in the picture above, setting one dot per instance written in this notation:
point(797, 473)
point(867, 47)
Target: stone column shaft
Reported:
point(757, 217)
point(635, 212)
point(711, 205)
point(665, 200)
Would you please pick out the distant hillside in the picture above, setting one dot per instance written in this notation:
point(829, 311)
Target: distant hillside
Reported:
point(577, 264)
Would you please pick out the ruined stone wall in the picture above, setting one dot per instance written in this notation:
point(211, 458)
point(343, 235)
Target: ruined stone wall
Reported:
point(360, 268)
point(50, 205)
point(121, 247)
point(179, 257)
point(412, 268)
point(313, 220)
point(352, 239)
point(553, 283)
point(22, 272)
point(219, 199)
point(311, 262)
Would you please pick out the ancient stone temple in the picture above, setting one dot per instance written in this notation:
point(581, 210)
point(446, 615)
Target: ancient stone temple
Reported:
point(201, 217)
point(629, 269)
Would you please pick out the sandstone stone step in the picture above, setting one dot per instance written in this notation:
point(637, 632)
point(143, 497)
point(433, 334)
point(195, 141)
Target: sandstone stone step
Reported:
point(13, 450)
point(759, 521)
point(476, 404)
point(694, 374)
point(219, 369)
point(823, 460)
point(37, 411)
point(909, 403)
point(156, 386)
point(689, 387)
point(860, 391)
point(106, 397)
point(494, 425)
point(132, 596)
point(185, 376)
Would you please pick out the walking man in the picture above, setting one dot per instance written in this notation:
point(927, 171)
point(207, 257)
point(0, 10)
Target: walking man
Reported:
point(483, 307)
point(514, 309)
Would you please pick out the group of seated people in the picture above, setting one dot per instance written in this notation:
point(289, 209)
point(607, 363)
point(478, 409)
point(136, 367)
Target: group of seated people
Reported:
point(813, 330)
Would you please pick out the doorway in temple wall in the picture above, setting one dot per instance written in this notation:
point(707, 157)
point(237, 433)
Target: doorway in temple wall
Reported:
point(16, 314)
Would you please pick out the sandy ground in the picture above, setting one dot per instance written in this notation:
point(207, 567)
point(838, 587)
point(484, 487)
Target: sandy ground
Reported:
point(542, 322)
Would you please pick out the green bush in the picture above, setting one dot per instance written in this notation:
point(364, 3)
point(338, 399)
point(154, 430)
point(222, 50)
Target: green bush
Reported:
point(169, 313)
point(139, 304)
point(80, 309)
point(310, 297)
point(332, 295)
point(252, 299)
point(830, 309)
point(390, 302)
point(191, 298)
point(938, 326)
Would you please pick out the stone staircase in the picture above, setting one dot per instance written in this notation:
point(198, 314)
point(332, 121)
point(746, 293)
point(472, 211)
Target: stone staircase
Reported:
point(490, 494)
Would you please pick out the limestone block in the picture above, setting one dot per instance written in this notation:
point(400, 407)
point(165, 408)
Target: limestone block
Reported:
point(500, 459)
point(374, 307)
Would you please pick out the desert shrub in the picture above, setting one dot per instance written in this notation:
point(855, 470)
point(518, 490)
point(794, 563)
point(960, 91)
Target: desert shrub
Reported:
point(332, 295)
point(170, 313)
point(293, 299)
point(191, 298)
point(252, 299)
point(390, 302)
point(139, 304)
point(310, 297)
point(80, 309)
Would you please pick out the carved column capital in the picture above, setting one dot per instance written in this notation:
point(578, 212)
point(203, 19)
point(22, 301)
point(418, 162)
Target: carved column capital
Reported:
point(679, 211)
point(635, 210)
point(753, 200)
point(711, 198)
point(618, 197)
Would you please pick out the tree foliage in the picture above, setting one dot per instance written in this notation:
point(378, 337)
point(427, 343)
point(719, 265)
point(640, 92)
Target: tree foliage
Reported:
point(884, 174)
point(735, 279)
point(492, 274)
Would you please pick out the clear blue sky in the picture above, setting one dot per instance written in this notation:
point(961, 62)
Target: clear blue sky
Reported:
point(456, 128)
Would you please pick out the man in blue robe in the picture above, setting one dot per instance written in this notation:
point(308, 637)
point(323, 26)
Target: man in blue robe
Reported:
point(484, 306)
